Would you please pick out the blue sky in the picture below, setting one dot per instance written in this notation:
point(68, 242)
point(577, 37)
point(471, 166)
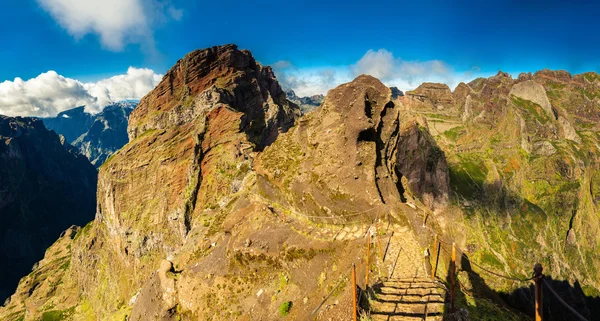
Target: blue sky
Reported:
point(313, 45)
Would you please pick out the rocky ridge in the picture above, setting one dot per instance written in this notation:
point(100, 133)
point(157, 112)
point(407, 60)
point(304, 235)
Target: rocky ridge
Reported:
point(226, 204)
point(189, 208)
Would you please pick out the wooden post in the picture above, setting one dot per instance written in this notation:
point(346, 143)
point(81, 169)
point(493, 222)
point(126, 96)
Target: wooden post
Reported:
point(354, 295)
point(453, 276)
point(379, 236)
point(434, 263)
point(368, 254)
point(537, 277)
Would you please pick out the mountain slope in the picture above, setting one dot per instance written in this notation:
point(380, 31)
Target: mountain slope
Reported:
point(524, 157)
point(45, 187)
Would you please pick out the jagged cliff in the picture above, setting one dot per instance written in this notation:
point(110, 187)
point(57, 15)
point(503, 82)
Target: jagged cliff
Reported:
point(226, 204)
point(45, 187)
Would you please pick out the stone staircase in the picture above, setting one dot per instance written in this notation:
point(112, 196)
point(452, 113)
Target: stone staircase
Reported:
point(408, 299)
point(408, 293)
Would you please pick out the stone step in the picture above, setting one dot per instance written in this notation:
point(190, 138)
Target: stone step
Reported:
point(416, 298)
point(414, 310)
point(412, 298)
point(341, 236)
point(416, 284)
point(383, 317)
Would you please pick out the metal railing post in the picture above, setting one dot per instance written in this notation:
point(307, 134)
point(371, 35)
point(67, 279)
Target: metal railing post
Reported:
point(354, 295)
point(368, 254)
point(537, 277)
point(434, 263)
point(453, 276)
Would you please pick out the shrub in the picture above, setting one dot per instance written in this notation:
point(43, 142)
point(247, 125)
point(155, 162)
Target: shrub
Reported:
point(284, 308)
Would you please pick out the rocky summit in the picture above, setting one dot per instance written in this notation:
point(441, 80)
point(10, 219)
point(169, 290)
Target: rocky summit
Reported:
point(96, 136)
point(227, 204)
point(45, 187)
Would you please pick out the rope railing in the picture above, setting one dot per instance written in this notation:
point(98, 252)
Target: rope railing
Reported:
point(537, 276)
point(357, 296)
point(342, 278)
point(500, 275)
point(570, 308)
point(487, 270)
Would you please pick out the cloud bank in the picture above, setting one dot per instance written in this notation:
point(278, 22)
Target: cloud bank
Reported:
point(116, 22)
point(50, 93)
point(382, 64)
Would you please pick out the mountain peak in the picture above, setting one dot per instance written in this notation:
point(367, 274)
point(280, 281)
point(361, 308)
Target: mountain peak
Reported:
point(206, 78)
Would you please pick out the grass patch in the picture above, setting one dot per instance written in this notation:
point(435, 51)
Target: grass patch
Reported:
point(532, 108)
point(84, 231)
point(454, 133)
point(284, 308)
point(57, 315)
point(467, 177)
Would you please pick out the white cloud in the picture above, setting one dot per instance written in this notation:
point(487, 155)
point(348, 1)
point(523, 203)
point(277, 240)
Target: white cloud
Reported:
point(133, 85)
point(50, 93)
point(116, 22)
point(405, 74)
point(382, 64)
point(306, 82)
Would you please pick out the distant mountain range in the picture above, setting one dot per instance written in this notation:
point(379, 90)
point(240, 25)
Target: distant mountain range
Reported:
point(306, 104)
point(96, 136)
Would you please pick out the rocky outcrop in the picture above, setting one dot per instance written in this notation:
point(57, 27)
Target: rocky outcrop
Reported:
point(396, 92)
point(193, 139)
point(435, 92)
point(45, 187)
point(532, 91)
point(357, 129)
point(96, 136)
point(208, 114)
point(423, 164)
point(218, 75)
point(346, 130)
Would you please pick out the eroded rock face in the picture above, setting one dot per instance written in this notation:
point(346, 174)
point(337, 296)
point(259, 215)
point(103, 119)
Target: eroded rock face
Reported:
point(524, 150)
point(350, 148)
point(424, 165)
point(436, 92)
point(218, 75)
point(193, 139)
point(212, 109)
point(532, 91)
point(45, 187)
